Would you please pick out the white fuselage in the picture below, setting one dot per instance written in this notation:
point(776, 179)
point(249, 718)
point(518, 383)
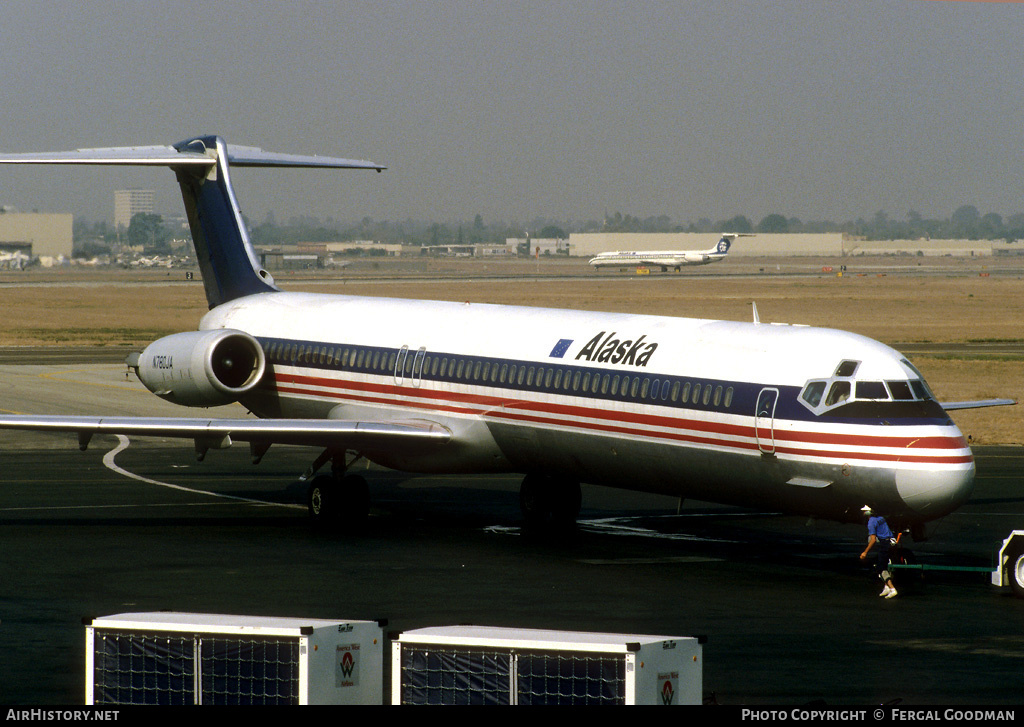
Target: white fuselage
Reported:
point(713, 410)
point(663, 258)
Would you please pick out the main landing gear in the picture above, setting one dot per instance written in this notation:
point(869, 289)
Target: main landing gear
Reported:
point(549, 504)
point(338, 498)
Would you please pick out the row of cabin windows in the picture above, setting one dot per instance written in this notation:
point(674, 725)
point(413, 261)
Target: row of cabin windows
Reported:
point(548, 378)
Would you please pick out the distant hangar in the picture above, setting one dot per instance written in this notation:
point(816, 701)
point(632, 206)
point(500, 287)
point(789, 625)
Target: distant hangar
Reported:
point(37, 235)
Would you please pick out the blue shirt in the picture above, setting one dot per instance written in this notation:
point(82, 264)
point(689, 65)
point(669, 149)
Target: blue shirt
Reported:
point(878, 527)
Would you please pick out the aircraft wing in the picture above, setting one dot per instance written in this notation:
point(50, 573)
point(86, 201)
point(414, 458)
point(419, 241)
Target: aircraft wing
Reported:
point(406, 435)
point(950, 405)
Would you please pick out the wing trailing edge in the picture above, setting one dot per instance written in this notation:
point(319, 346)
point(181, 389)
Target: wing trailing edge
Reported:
point(412, 435)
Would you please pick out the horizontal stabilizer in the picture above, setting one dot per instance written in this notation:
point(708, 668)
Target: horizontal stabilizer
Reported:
point(193, 154)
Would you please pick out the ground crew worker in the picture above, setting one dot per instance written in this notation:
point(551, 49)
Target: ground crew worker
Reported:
point(879, 539)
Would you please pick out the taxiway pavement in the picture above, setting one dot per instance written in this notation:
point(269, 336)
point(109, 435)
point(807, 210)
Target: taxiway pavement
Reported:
point(790, 614)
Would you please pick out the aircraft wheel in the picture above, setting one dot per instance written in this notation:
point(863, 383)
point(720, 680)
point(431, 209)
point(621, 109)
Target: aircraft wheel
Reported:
point(549, 503)
point(355, 493)
point(319, 497)
point(1015, 568)
point(344, 501)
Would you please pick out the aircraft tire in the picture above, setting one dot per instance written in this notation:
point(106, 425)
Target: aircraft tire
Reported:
point(319, 497)
point(344, 501)
point(1015, 567)
point(549, 504)
point(355, 496)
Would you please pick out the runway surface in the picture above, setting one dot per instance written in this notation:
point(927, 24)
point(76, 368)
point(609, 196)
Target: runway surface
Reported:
point(789, 613)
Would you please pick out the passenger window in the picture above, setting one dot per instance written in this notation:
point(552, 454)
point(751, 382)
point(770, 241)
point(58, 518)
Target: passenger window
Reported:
point(604, 384)
point(900, 390)
point(728, 397)
point(586, 381)
point(839, 393)
point(625, 386)
point(718, 396)
point(685, 396)
point(558, 378)
point(655, 388)
point(576, 382)
point(494, 372)
point(871, 390)
point(644, 388)
point(696, 393)
point(547, 378)
point(812, 392)
point(633, 388)
point(529, 376)
point(707, 394)
point(675, 391)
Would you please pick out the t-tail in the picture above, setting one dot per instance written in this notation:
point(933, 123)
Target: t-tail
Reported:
point(227, 261)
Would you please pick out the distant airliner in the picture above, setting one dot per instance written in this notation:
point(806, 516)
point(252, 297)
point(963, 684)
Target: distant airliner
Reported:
point(806, 420)
point(666, 259)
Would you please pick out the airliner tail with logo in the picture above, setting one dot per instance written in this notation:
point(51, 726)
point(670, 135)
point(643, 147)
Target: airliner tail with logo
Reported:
point(810, 421)
point(666, 259)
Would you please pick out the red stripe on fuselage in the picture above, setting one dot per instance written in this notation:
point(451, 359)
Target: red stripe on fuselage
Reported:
point(610, 421)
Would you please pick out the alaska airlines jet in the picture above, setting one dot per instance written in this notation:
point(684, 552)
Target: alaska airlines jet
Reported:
point(666, 259)
point(806, 420)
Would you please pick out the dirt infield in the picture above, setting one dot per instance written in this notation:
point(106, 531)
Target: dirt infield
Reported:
point(945, 302)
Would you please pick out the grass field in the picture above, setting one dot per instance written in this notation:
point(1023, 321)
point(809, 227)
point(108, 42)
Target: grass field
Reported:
point(946, 302)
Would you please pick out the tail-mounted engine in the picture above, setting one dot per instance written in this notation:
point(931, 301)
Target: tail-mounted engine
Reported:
point(203, 368)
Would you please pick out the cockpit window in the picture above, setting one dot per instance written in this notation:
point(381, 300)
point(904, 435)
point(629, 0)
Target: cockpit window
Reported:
point(812, 392)
point(839, 392)
point(900, 390)
point(921, 389)
point(871, 390)
point(851, 397)
point(847, 368)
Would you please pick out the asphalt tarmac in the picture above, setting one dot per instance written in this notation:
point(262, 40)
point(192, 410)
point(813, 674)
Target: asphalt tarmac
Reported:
point(790, 614)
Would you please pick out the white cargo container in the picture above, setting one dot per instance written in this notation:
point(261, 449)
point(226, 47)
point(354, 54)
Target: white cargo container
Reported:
point(484, 665)
point(190, 658)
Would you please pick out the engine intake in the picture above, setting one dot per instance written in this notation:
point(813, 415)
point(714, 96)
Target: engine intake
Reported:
point(201, 368)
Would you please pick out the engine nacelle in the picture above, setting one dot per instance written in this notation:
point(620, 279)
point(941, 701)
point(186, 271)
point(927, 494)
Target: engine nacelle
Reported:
point(202, 368)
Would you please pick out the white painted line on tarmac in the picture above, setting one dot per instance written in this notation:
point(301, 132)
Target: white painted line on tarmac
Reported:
point(123, 444)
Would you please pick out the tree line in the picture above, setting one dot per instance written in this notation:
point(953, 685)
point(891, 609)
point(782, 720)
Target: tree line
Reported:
point(150, 231)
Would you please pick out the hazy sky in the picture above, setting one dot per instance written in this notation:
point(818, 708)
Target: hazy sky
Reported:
point(819, 109)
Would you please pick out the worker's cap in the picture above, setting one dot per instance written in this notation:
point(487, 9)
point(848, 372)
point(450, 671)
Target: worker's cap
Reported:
point(866, 510)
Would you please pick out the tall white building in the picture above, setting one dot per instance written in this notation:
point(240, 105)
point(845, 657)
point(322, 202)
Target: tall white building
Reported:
point(130, 202)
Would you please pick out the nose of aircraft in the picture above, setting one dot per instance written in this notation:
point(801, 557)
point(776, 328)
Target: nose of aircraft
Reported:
point(937, 491)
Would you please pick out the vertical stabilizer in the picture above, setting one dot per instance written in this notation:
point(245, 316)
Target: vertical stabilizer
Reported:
point(226, 257)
